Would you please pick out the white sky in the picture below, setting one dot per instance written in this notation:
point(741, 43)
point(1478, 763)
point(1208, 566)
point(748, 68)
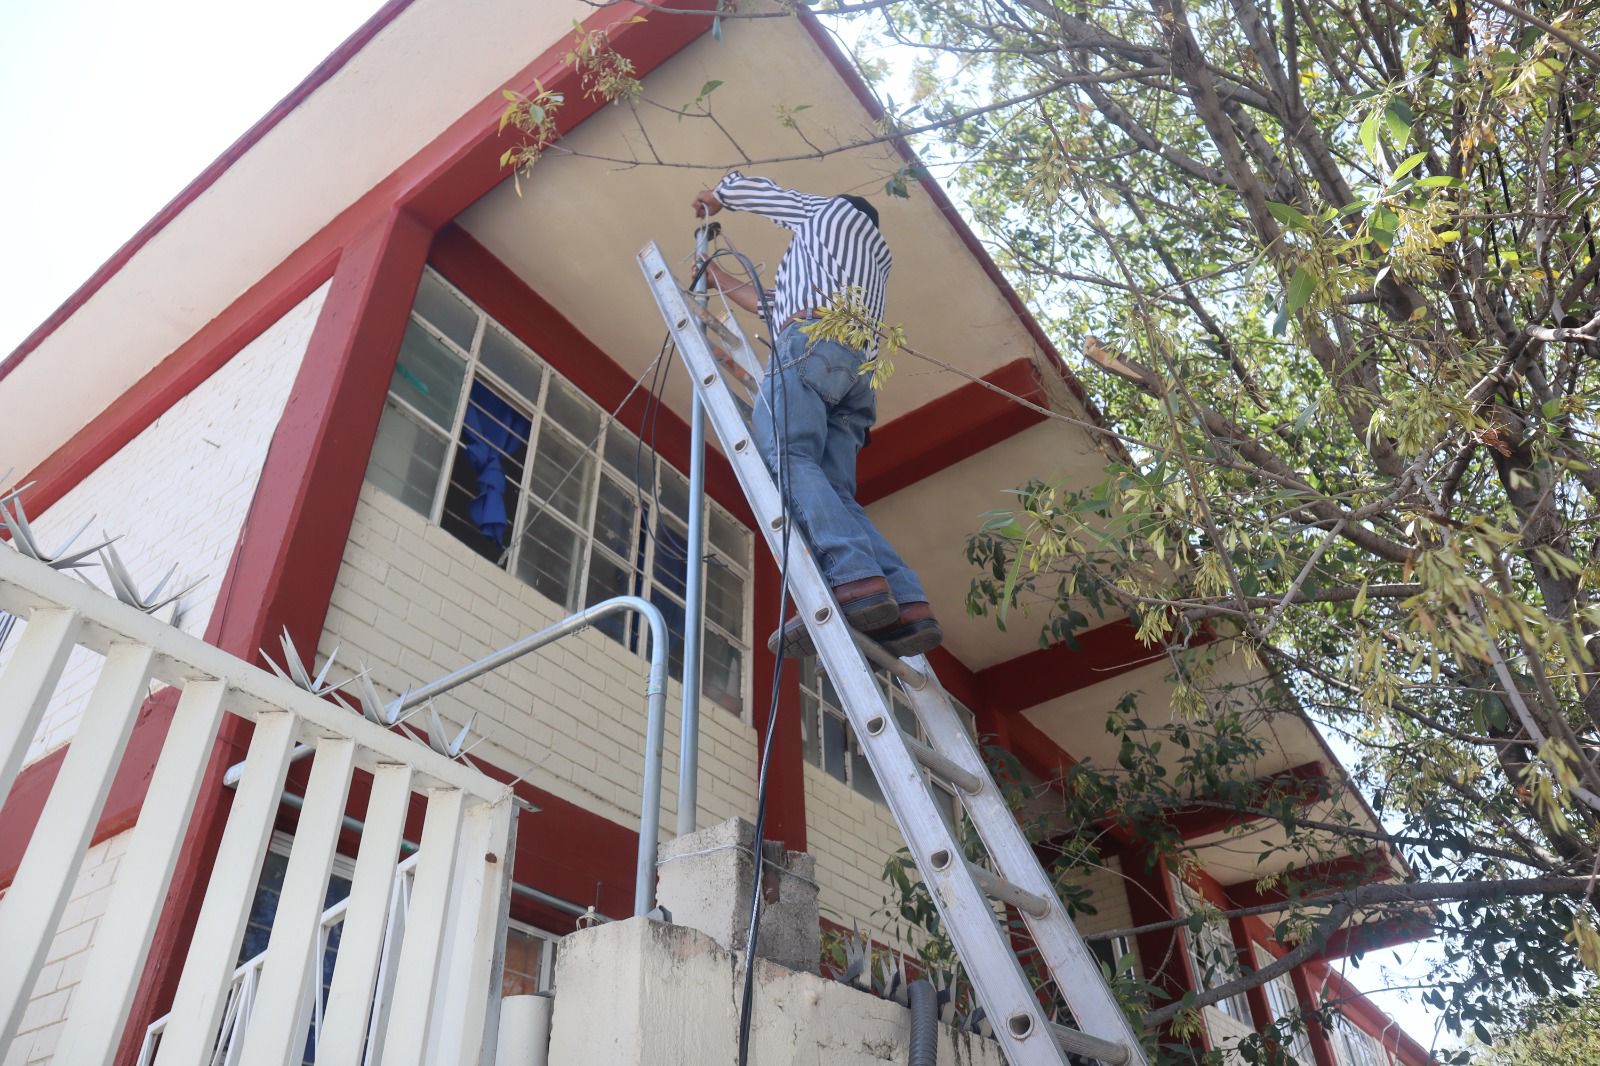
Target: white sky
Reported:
point(108, 108)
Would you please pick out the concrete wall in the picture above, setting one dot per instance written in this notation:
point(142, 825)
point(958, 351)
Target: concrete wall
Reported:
point(178, 493)
point(640, 991)
point(413, 603)
point(45, 1018)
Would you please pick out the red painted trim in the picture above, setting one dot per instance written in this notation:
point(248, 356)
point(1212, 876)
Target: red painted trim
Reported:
point(786, 774)
point(1161, 953)
point(178, 374)
point(1307, 783)
point(1305, 991)
point(282, 572)
point(506, 298)
point(943, 432)
point(208, 177)
point(23, 806)
point(1260, 1009)
point(1377, 935)
point(1035, 677)
point(1354, 1004)
point(1347, 871)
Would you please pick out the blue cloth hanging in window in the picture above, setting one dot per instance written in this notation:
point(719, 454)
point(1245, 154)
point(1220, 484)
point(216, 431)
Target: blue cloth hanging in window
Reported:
point(493, 428)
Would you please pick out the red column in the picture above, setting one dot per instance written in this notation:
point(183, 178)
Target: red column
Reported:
point(1260, 1011)
point(1321, 1045)
point(293, 538)
point(1161, 953)
point(786, 780)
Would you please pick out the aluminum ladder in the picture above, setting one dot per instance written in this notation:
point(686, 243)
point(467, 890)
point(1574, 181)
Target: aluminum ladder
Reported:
point(965, 893)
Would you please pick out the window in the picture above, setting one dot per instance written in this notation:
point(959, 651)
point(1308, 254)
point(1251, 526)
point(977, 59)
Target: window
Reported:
point(1109, 952)
point(1356, 1046)
point(483, 438)
point(1283, 1003)
point(1211, 952)
point(831, 744)
point(530, 961)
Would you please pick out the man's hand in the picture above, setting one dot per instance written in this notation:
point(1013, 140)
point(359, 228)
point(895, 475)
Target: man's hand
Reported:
point(706, 204)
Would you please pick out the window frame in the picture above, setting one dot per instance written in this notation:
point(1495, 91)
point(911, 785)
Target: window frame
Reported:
point(1223, 954)
point(644, 488)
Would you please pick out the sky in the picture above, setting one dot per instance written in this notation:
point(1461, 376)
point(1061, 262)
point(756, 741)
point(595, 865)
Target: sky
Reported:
point(108, 108)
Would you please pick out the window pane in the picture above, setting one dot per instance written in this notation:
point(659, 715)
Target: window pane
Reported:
point(724, 597)
point(722, 672)
point(833, 745)
point(675, 493)
point(624, 453)
point(729, 538)
point(446, 311)
point(524, 955)
point(672, 612)
point(485, 482)
point(568, 407)
point(506, 358)
point(672, 556)
point(608, 578)
point(614, 517)
point(562, 473)
point(428, 375)
point(406, 458)
point(550, 557)
point(808, 729)
point(862, 778)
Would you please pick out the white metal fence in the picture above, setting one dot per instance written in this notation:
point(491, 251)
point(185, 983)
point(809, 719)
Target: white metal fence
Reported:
point(442, 979)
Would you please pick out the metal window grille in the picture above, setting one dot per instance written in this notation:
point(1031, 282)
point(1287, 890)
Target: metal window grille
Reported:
point(591, 516)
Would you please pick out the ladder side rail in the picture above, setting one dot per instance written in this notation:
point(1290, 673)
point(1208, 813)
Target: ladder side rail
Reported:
point(1010, 1002)
point(1063, 949)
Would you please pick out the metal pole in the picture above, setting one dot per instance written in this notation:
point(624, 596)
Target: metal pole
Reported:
point(655, 719)
point(694, 607)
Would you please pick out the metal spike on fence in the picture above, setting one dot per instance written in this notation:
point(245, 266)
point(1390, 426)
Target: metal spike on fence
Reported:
point(858, 961)
point(373, 707)
point(122, 583)
point(437, 739)
point(294, 669)
point(15, 519)
point(948, 986)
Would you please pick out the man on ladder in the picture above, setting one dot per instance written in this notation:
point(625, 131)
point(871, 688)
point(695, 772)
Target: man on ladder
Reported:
point(819, 406)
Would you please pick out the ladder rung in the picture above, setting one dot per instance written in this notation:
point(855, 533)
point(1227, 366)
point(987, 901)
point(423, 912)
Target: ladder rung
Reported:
point(886, 659)
point(943, 768)
point(996, 887)
point(1077, 1043)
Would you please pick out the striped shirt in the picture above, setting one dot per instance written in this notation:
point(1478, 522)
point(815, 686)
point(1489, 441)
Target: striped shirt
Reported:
point(835, 247)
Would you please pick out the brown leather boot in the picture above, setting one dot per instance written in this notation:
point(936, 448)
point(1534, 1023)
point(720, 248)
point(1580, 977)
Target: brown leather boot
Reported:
point(867, 604)
point(915, 632)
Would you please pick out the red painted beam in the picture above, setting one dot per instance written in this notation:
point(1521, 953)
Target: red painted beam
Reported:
point(1306, 985)
point(1347, 871)
point(1376, 935)
point(1306, 783)
point(941, 433)
point(786, 774)
point(1038, 676)
point(1151, 899)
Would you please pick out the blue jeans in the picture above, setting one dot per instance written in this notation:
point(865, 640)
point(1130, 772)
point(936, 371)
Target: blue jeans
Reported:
point(823, 407)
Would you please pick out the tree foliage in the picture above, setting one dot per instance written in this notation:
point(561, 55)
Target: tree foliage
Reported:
point(1334, 267)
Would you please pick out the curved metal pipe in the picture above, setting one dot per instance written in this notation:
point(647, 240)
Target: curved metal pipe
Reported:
point(655, 730)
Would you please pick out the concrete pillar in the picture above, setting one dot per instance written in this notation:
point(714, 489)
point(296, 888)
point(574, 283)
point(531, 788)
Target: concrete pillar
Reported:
point(704, 882)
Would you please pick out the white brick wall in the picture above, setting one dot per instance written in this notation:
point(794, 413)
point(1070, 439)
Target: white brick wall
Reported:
point(45, 1017)
point(852, 837)
point(413, 603)
point(178, 493)
point(1226, 1032)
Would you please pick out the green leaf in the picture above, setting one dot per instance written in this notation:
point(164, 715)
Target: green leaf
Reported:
point(1552, 408)
point(1301, 286)
point(512, 95)
point(1369, 135)
point(1010, 586)
point(1408, 166)
point(1397, 119)
point(1289, 216)
point(1441, 181)
point(707, 89)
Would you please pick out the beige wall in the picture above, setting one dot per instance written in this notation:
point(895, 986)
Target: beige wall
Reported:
point(413, 603)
